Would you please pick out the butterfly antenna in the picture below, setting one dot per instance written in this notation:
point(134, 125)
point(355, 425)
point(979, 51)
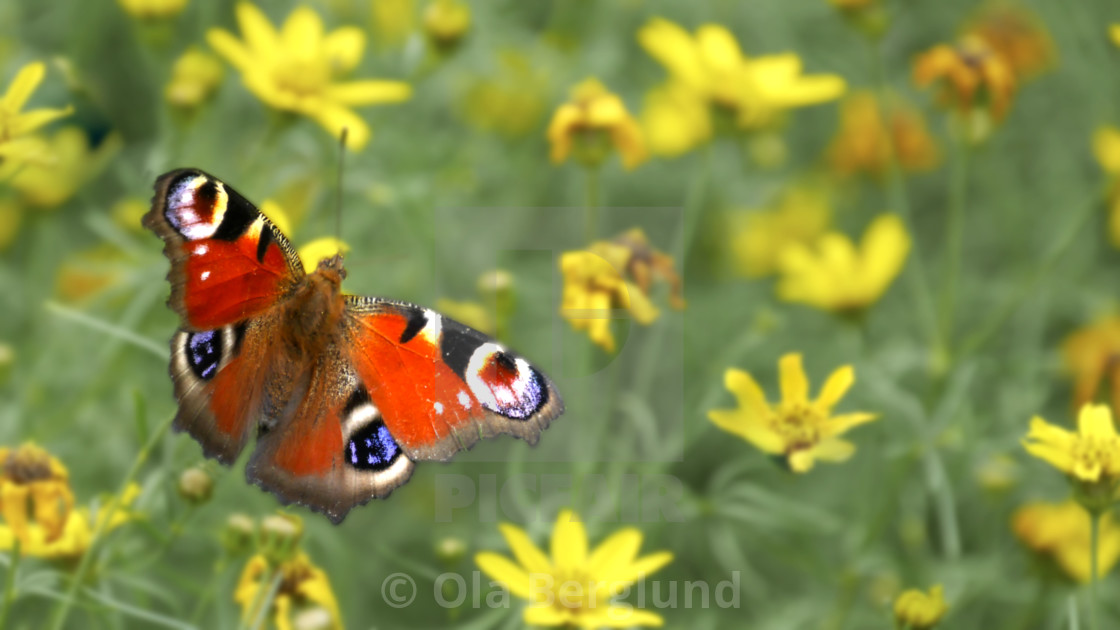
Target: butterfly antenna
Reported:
point(338, 184)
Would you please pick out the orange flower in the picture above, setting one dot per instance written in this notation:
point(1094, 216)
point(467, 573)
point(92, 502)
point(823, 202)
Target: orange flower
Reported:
point(972, 76)
point(867, 136)
point(1017, 35)
point(1092, 354)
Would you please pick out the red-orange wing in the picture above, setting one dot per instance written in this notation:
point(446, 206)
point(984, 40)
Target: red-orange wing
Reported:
point(228, 262)
point(441, 386)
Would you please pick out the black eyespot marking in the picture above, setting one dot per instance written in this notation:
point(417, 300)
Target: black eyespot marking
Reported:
point(239, 214)
point(417, 319)
point(263, 242)
point(372, 448)
point(204, 353)
point(505, 361)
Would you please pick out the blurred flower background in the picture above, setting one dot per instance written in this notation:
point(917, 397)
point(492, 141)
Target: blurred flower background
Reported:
point(685, 213)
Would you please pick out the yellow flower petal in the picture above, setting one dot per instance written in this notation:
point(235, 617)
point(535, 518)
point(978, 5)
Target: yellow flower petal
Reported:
point(747, 392)
point(260, 35)
point(839, 424)
point(794, 383)
point(321, 249)
point(502, 570)
point(23, 86)
point(834, 450)
point(528, 554)
point(569, 541)
point(370, 92)
point(344, 46)
point(1095, 421)
point(835, 387)
point(619, 550)
point(546, 615)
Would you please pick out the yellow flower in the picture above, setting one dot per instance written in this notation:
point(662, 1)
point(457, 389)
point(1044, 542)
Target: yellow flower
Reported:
point(1017, 35)
point(759, 237)
point(840, 278)
point(295, 69)
point(1091, 455)
point(1092, 354)
point(447, 21)
point(511, 101)
point(1060, 531)
point(1114, 33)
point(675, 120)
point(303, 587)
point(796, 429)
point(393, 21)
point(574, 586)
point(614, 274)
point(65, 164)
point(594, 120)
point(32, 478)
point(153, 9)
point(918, 610)
point(194, 77)
point(16, 125)
point(774, 83)
point(973, 77)
point(713, 66)
point(866, 137)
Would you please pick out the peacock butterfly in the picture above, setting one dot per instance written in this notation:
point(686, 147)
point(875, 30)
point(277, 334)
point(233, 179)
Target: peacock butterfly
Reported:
point(345, 393)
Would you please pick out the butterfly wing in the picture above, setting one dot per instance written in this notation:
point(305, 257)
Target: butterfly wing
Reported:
point(400, 384)
point(334, 451)
point(442, 386)
point(229, 263)
point(229, 267)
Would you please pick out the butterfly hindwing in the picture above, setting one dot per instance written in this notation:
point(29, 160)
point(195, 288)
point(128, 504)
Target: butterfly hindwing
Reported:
point(228, 262)
point(334, 451)
point(442, 386)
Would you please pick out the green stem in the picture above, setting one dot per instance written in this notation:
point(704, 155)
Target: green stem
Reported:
point(78, 577)
point(262, 600)
point(591, 205)
point(10, 587)
point(1025, 290)
point(693, 207)
point(896, 194)
point(954, 237)
point(1094, 542)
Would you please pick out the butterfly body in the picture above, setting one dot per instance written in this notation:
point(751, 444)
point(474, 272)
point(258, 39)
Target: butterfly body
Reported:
point(344, 393)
